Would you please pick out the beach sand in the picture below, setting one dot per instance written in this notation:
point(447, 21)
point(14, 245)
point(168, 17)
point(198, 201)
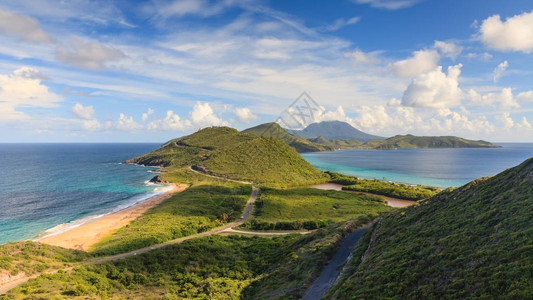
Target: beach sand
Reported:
point(86, 235)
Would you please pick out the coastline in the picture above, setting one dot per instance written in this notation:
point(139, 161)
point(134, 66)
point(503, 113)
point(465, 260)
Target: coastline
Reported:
point(87, 235)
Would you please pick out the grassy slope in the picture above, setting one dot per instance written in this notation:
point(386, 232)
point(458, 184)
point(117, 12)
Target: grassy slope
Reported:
point(337, 143)
point(215, 267)
point(298, 143)
point(227, 152)
point(473, 242)
point(308, 207)
point(411, 141)
point(266, 161)
point(194, 210)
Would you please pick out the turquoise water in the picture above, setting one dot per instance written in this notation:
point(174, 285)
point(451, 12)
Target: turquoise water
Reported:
point(434, 167)
point(45, 185)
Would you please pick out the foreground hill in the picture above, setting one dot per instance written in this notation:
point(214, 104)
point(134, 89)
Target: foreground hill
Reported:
point(226, 152)
point(336, 130)
point(411, 141)
point(298, 143)
point(472, 242)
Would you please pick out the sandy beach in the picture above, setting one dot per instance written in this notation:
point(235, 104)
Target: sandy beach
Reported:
point(86, 235)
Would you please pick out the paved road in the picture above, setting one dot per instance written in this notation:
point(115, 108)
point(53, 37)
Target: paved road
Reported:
point(330, 273)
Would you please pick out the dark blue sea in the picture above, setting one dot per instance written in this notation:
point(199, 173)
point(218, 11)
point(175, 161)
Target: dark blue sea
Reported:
point(446, 167)
point(45, 185)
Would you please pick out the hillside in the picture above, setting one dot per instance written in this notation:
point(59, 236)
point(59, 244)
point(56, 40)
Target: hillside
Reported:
point(411, 141)
point(298, 143)
point(472, 242)
point(226, 152)
point(337, 143)
point(336, 130)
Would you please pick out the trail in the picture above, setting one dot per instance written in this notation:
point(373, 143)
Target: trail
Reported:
point(330, 273)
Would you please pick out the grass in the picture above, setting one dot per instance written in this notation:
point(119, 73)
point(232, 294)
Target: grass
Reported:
point(309, 208)
point(470, 243)
point(411, 141)
point(214, 267)
point(197, 209)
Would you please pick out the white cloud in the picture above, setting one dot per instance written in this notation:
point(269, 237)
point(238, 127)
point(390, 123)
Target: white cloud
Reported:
point(525, 96)
point(498, 71)
point(388, 4)
point(94, 125)
point(514, 34)
point(504, 99)
point(421, 62)
point(505, 120)
point(448, 49)
point(127, 123)
point(435, 89)
point(171, 122)
point(83, 112)
point(89, 55)
point(524, 123)
point(202, 115)
point(481, 56)
point(23, 27)
point(340, 23)
point(244, 115)
point(22, 88)
point(202, 8)
point(360, 57)
point(147, 114)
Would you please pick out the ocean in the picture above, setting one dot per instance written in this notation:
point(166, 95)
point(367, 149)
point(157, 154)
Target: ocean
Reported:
point(48, 188)
point(444, 167)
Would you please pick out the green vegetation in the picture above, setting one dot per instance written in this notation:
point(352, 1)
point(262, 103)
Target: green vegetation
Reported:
point(337, 143)
point(411, 141)
point(215, 267)
point(341, 178)
point(392, 189)
point(298, 143)
point(309, 208)
point(336, 130)
point(197, 209)
point(471, 242)
point(31, 258)
point(225, 152)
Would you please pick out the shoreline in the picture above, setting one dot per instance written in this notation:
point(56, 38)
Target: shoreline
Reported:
point(86, 235)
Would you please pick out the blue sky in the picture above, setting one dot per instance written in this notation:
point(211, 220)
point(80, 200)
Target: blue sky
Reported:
point(149, 71)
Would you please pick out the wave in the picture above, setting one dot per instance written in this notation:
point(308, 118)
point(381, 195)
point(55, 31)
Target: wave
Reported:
point(61, 228)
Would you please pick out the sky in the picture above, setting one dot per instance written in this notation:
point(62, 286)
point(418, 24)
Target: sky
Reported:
point(150, 71)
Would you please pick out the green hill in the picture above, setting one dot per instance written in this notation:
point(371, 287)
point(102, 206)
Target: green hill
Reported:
point(229, 153)
point(337, 130)
point(298, 143)
point(472, 242)
point(337, 143)
point(411, 141)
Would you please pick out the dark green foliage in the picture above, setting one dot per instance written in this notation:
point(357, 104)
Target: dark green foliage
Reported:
point(337, 143)
point(391, 189)
point(341, 178)
point(31, 257)
point(298, 143)
point(472, 242)
point(309, 208)
point(195, 210)
point(411, 141)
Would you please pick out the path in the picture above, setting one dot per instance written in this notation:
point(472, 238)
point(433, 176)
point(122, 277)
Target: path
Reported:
point(330, 272)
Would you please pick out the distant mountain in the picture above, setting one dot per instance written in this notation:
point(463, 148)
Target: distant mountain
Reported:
point(474, 242)
point(226, 152)
point(298, 143)
point(337, 144)
point(335, 130)
point(411, 141)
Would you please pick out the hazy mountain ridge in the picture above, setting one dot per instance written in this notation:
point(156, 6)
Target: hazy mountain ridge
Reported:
point(411, 141)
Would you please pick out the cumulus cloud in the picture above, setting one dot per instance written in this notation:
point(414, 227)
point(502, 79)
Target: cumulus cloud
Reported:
point(498, 71)
point(340, 23)
point(514, 34)
point(481, 56)
point(524, 123)
point(147, 114)
point(525, 96)
point(504, 99)
point(421, 62)
point(171, 121)
point(505, 120)
point(244, 115)
point(23, 88)
point(127, 123)
point(388, 4)
point(448, 49)
point(23, 27)
point(435, 89)
point(83, 112)
point(360, 57)
point(202, 115)
point(88, 55)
